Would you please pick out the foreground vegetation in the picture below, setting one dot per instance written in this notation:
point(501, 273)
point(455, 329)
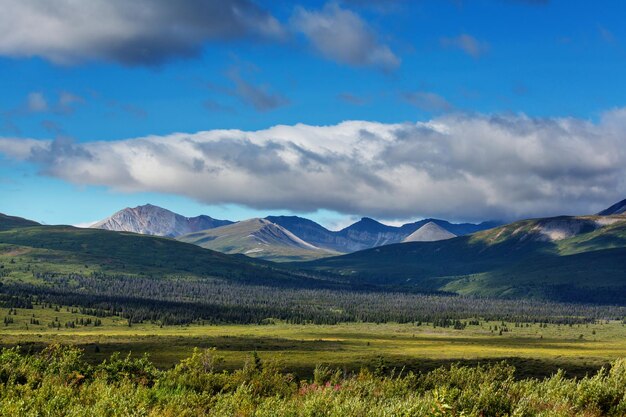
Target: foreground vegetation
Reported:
point(58, 382)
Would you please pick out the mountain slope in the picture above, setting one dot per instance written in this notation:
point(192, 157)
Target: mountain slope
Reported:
point(29, 252)
point(363, 234)
point(366, 233)
point(11, 222)
point(256, 238)
point(458, 229)
point(565, 258)
point(369, 233)
point(430, 232)
point(311, 232)
point(617, 208)
point(153, 220)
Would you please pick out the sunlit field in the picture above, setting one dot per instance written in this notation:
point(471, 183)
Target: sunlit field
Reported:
point(536, 348)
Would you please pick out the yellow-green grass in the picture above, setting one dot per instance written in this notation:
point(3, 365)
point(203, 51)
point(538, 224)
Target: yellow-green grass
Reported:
point(534, 349)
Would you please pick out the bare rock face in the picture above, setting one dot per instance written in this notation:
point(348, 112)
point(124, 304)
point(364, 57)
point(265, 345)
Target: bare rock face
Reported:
point(153, 220)
point(430, 232)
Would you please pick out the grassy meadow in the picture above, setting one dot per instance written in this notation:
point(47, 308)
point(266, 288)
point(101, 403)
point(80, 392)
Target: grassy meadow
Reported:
point(536, 349)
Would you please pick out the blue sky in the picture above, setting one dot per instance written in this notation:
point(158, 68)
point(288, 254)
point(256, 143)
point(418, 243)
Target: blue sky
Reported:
point(315, 63)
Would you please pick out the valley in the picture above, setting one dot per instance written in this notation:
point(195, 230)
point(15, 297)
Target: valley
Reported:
point(542, 297)
point(535, 348)
point(312, 208)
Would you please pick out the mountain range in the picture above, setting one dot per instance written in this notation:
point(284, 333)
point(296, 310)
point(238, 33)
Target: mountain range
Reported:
point(579, 258)
point(367, 233)
point(565, 258)
point(278, 238)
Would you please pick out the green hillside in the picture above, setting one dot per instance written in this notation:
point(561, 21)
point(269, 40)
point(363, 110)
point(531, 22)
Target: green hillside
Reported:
point(26, 250)
point(10, 222)
point(564, 258)
point(257, 238)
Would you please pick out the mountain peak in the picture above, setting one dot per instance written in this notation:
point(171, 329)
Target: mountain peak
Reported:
point(368, 224)
point(149, 207)
point(430, 232)
point(154, 220)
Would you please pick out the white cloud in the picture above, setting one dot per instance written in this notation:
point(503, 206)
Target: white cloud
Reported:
point(461, 167)
point(342, 36)
point(134, 32)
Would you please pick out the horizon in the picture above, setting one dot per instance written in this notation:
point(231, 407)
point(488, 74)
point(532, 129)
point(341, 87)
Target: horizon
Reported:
point(423, 110)
point(269, 207)
point(337, 226)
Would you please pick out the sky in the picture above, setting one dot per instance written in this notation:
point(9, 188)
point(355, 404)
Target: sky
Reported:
point(467, 110)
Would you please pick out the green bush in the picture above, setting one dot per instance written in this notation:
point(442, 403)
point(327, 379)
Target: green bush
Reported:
point(58, 382)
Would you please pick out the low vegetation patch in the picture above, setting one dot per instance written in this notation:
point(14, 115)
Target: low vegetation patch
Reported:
point(58, 382)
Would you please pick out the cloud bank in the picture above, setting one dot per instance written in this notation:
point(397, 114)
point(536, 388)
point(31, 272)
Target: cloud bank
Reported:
point(461, 167)
point(138, 32)
point(150, 32)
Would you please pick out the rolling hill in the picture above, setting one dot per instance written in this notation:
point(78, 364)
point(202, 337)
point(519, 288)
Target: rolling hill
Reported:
point(11, 222)
point(257, 238)
point(564, 258)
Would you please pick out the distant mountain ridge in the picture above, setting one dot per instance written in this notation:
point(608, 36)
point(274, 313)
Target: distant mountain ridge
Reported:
point(256, 238)
point(157, 221)
point(367, 233)
point(364, 234)
point(565, 258)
